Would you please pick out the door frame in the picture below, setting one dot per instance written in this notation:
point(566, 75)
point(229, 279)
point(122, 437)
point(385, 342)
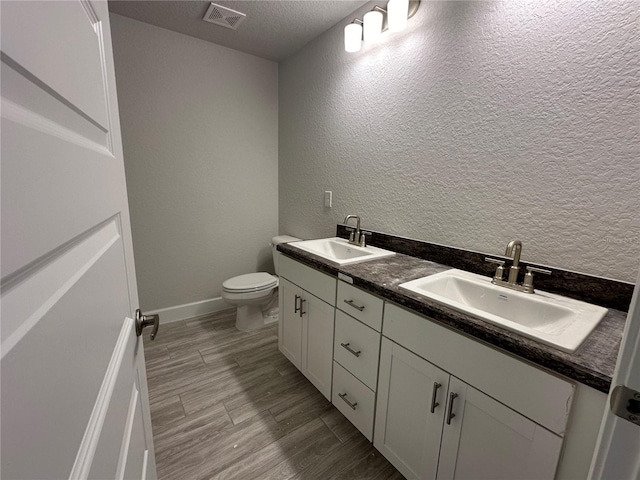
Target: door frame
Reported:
point(618, 436)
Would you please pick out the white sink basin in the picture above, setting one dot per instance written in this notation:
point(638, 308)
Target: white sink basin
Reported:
point(554, 320)
point(339, 251)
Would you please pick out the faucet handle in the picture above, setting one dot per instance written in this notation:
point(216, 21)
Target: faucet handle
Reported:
point(538, 270)
point(363, 241)
point(528, 278)
point(499, 270)
point(351, 233)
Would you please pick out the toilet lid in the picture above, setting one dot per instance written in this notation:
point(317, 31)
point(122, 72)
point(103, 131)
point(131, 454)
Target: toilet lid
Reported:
point(250, 282)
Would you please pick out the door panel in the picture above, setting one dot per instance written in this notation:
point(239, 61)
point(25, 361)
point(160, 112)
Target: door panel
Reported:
point(487, 440)
point(63, 195)
point(71, 64)
point(290, 334)
point(406, 431)
point(29, 101)
point(70, 356)
point(52, 375)
point(317, 343)
point(131, 465)
point(122, 434)
point(26, 300)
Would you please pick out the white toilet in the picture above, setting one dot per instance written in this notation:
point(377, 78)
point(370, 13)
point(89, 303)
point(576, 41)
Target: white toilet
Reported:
point(256, 294)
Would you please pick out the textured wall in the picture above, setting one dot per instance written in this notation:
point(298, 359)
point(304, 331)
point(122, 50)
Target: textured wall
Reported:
point(481, 123)
point(200, 135)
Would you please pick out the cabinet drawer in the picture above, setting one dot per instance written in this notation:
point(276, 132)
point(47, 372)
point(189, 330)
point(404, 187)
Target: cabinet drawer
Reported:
point(359, 304)
point(320, 284)
point(356, 347)
point(354, 400)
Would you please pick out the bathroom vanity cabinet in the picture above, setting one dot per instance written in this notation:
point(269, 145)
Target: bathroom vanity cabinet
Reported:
point(432, 424)
point(436, 403)
point(305, 333)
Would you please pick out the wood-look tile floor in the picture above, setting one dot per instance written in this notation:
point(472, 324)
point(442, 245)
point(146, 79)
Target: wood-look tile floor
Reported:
point(228, 405)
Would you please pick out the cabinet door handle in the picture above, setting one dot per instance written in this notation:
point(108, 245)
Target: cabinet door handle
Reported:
point(343, 396)
point(450, 414)
point(302, 301)
point(297, 308)
point(351, 350)
point(434, 404)
point(351, 304)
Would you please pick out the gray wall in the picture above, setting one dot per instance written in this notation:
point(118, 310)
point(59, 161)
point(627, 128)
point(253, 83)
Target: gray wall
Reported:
point(200, 134)
point(481, 123)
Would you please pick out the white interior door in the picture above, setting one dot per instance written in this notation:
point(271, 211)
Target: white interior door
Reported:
point(618, 444)
point(74, 395)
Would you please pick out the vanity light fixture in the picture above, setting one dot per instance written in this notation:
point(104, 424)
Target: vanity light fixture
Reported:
point(353, 36)
point(393, 18)
point(373, 25)
point(397, 15)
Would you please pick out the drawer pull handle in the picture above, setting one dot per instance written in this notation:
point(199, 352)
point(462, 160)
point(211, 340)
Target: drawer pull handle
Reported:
point(450, 414)
point(297, 308)
point(343, 396)
point(351, 350)
point(434, 404)
point(302, 301)
point(351, 304)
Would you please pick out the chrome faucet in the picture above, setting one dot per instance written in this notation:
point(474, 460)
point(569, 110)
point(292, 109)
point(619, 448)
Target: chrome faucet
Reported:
point(515, 266)
point(514, 250)
point(355, 238)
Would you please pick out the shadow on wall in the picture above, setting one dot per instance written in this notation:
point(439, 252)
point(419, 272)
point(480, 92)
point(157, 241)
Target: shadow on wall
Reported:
point(264, 260)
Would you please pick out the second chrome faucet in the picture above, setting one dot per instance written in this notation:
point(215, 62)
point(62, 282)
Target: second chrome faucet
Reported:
point(514, 250)
point(356, 237)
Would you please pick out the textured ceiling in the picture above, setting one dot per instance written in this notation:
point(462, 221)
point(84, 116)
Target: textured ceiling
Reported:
point(273, 29)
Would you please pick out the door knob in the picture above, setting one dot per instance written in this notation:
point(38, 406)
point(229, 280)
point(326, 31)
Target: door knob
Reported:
point(147, 321)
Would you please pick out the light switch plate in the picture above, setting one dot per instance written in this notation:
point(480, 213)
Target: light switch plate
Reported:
point(328, 197)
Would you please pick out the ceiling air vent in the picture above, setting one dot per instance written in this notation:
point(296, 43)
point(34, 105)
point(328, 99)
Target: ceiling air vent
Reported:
point(223, 16)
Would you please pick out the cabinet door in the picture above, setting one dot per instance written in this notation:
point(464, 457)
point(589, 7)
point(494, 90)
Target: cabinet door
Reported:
point(407, 432)
point(487, 440)
point(290, 328)
point(317, 342)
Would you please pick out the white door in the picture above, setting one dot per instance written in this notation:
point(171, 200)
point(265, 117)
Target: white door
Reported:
point(290, 325)
point(618, 444)
point(483, 439)
point(410, 411)
point(74, 394)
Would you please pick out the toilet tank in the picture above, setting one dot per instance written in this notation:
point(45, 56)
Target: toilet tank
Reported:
point(274, 243)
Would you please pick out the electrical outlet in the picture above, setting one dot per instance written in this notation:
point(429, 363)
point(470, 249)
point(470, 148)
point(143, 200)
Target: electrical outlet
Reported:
point(328, 197)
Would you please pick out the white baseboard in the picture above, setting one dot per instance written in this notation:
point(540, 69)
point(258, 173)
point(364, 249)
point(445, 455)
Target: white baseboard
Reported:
point(189, 310)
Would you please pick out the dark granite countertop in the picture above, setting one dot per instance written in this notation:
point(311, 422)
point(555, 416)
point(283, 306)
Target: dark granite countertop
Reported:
point(592, 364)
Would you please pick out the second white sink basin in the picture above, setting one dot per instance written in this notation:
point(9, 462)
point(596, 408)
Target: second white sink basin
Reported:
point(338, 250)
point(554, 320)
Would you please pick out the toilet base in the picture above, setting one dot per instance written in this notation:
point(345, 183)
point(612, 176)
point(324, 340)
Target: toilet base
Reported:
point(251, 317)
point(272, 316)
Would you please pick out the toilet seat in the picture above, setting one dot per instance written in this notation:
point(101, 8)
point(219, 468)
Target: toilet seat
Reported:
point(250, 282)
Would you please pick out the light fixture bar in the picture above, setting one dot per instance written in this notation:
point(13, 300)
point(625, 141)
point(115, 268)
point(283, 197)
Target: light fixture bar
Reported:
point(393, 18)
